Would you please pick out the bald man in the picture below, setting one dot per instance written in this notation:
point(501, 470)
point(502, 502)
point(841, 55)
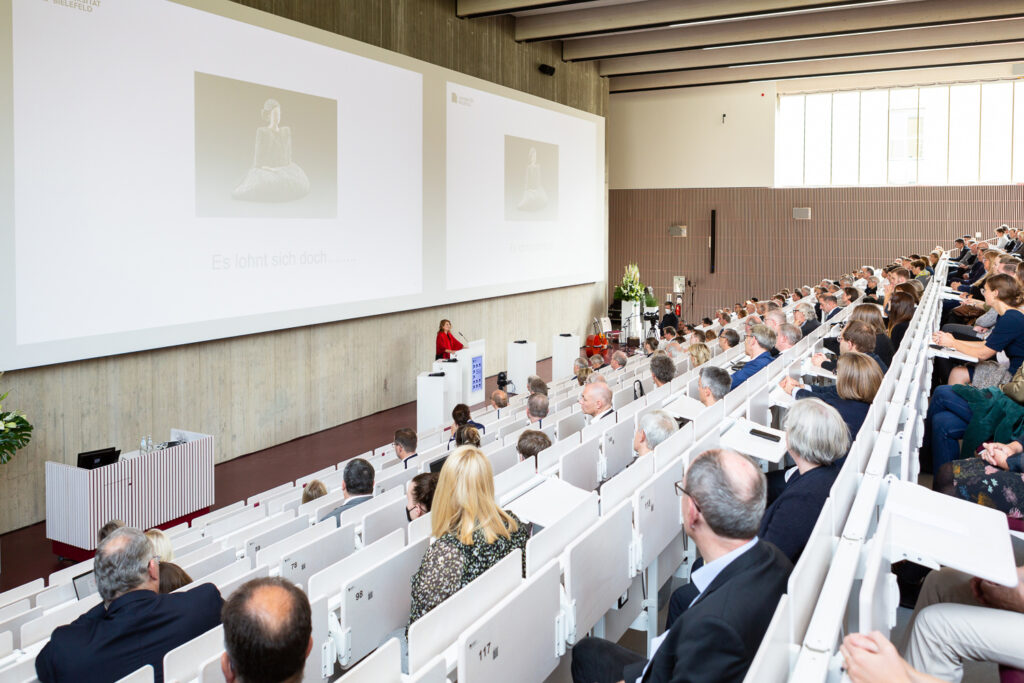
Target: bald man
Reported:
point(268, 632)
point(730, 601)
point(596, 401)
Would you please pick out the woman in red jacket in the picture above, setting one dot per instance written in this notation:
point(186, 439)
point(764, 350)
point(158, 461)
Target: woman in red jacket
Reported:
point(446, 342)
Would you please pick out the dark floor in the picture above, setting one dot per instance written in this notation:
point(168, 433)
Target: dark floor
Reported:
point(25, 554)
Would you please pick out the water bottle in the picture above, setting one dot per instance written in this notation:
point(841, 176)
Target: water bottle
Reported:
point(142, 446)
point(149, 444)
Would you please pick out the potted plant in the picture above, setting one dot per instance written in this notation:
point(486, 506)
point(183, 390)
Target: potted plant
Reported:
point(632, 295)
point(15, 432)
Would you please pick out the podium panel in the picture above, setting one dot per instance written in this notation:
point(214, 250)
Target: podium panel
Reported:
point(430, 412)
point(522, 362)
point(471, 362)
point(452, 383)
point(565, 349)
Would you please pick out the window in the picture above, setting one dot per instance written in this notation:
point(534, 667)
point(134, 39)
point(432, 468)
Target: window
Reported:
point(935, 135)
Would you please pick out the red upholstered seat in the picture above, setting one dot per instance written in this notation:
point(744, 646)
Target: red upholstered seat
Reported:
point(1008, 675)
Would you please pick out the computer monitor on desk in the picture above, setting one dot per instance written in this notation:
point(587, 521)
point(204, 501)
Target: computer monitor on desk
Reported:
point(90, 460)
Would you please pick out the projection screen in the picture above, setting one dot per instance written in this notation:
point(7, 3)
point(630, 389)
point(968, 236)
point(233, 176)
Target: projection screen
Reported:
point(172, 174)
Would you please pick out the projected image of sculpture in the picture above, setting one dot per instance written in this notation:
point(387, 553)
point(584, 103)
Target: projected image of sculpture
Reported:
point(534, 197)
point(531, 180)
point(274, 177)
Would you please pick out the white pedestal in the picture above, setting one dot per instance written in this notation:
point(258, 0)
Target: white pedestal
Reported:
point(564, 351)
point(631, 321)
point(430, 412)
point(522, 362)
point(452, 383)
point(471, 362)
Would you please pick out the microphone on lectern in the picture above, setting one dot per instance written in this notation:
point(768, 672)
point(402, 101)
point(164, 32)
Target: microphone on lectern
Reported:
point(462, 335)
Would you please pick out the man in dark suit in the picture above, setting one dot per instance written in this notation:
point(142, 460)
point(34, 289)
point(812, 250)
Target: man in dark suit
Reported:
point(829, 307)
point(135, 625)
point(731, 598)
point(804, 318)
point(405, 446)
point(357, 484)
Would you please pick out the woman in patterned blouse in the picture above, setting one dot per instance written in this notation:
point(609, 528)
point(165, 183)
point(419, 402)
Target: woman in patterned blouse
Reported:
point(473, 534)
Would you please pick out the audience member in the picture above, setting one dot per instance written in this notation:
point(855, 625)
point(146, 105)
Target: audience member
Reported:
point(535, 385)
point(662, 369)
point(461, 416)
point(774, 320)
point(107, 529)
point(596, 401)
point(357, 486)
point(473, 533)
point(313, 490)
point(816, 437)
point(405, 445)
point(713, 383)
point(530, 443)
point(960, 618)
point(135, 625)
point(172, 577)
point(582, 375)
point(871, 315)
point(759, 344)
point(654, 427)
point(857, 381)
point(710, 336)
point(619, 360)
point(161, 545)
point(499, 399)
point(536, 409)
point(787, 337)
point(420, 495)
point(856, 336)
point(268, 632)
point(901, 311)
point(699, 355)
point(829, 306)
point(597, 362)
point(728, 339)
point(466, 435)
point(719, 618)
point(650, 346)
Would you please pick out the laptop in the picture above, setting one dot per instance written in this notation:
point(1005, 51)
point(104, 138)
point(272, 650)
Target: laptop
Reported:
point(85, 584)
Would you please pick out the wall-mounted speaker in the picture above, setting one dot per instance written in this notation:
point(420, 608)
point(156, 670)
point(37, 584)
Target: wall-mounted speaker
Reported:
point(677, 231)
point(546, 69)
point(802, 213)
point(712, 239)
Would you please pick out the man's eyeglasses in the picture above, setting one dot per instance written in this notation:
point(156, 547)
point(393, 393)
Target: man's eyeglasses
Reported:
point(680, 491)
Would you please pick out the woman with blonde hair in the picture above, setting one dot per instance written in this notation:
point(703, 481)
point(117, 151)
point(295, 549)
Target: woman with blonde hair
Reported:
point(858, 378)
point(583, 374)
point(161, 545)
point(473, 533)
point(699, 355)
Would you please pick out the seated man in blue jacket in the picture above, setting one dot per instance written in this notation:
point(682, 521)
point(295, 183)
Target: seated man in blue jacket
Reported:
point(759, 344)
point(135, 625)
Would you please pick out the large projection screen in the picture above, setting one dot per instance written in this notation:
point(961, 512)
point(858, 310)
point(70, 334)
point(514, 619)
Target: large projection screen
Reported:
point(181, 171)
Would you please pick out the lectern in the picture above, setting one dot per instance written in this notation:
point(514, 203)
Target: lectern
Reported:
point(471, 362)
point(144, 490)
point(565, 349)
point(430, 412)
point(522, 362)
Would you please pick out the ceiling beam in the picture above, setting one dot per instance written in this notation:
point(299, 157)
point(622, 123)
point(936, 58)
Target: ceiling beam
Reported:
point(986, 54)
point(468, 9)
point(578, 23)
point(957, 35)
point(838, 22)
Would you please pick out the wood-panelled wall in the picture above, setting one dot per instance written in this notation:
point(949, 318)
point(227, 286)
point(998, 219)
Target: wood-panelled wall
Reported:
point(761, 248)
point(256, 391)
